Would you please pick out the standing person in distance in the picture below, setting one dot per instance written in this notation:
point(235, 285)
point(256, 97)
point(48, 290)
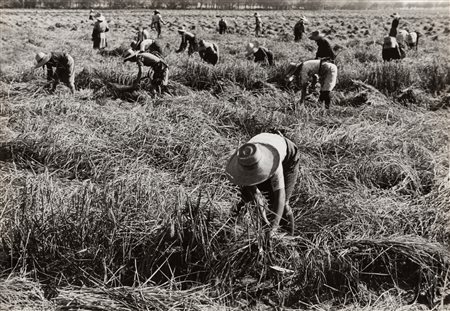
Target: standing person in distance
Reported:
point(156, 22)
point(324, 50)
point(187, 39)
point(299, 29)
point(222, 26)
point(312, 70)
point(267, 165)
point(60, 67)
point(99, 32)
point(258, 24)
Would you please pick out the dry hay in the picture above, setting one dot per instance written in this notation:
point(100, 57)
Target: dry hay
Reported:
point(365, 95)
point(23, 294)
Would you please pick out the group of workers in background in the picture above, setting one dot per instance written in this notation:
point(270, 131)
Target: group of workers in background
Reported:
point(268, 164)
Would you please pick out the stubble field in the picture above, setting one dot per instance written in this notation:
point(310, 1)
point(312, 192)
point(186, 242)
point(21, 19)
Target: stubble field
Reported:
point(119, 201)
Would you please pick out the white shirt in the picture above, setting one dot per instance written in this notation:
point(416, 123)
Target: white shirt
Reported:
point(145, 44)
point(309, 69)
point(279, 143)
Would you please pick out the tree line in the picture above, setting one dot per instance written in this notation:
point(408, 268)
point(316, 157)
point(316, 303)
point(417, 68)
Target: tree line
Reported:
point(218, 4)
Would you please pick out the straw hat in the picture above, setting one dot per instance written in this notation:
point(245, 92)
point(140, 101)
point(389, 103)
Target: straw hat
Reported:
point(256, 14)
point(316, 35)
point(42, 59)
point(156, 11)
point(252, 164)
point(252, 47)
point(395, 15)
point(99, 17)
point(129, 54)
point(181, 29)
point(303, 19)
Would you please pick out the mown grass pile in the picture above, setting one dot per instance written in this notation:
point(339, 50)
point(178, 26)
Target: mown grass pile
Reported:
point(106, 189)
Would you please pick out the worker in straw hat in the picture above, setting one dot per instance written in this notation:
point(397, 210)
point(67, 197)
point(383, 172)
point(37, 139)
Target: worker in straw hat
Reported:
point(157, 20)
point(99, 32)
point(299, 29)
point(258, 24)
point(160, 76)
point(312, 70)
point(324, 49)
point(147, 45)
point(268, 165)
point(187, 38)
point(259, 53)
point(60, 67)
point(209, 52)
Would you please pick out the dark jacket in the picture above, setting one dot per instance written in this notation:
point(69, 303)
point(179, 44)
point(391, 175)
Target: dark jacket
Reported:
point(324, 49)
point(263, 55)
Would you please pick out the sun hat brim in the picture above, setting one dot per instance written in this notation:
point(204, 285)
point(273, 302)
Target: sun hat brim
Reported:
point(249, 176)
point(43, 61)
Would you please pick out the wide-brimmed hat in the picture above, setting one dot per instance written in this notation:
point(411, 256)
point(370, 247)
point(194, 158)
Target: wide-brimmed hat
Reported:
point(181, 29)
point(252, 47)
point(252, 164)
point(395, 15)
point(129, 54)
point(42, 59)
point(303, 19)
point(256, 14)
point(156, 11)
point(316, 35)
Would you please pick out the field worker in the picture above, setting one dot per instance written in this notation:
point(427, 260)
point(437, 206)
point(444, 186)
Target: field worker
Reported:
point(313, 70)
point(409, 39)
point(142, 34)
point(157, 65)
point(209, 52)
point(64, 68)
point(156, 22)
point(147, 45)
point(324, 50)
point(92, 15)
point(260, 53)
point(299, 29)
point(99, 32)
point(187, 38)
point(222, 26)
point(268, 165)
point(258, 24)
point(392, 50)
point(394, 26)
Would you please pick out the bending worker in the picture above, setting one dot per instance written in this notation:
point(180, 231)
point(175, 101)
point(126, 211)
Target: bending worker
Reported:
point(64, 68)
point(157, 65)
point(313, 70)
point(268, 164)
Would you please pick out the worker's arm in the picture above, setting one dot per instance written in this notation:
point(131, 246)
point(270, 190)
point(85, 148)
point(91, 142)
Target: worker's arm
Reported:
point(279, 200)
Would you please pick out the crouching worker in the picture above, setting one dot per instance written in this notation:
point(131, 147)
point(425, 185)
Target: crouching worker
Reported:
point(313, 70)
point(160, 69)
point(60, 67)
point(209, 52)
point(392, 50)
point(260, 53)
point(147, 45)
point(267, 165)
point(187, 38)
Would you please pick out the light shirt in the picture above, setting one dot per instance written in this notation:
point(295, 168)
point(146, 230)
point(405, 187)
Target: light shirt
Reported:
point(309, 69)
point(145, 44)
point(279, 143)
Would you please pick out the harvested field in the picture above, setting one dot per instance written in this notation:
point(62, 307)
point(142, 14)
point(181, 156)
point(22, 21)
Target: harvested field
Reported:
point(116, 200)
